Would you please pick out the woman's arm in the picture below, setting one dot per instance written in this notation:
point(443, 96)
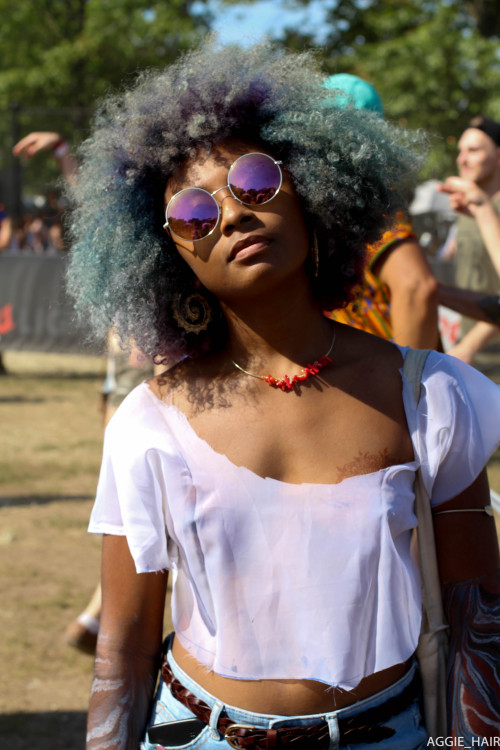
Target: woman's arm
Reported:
point(35, 142)
point(414, 294)
point(469, 199)
point(469, 562)
point(128, 650)
point(478, 305)
point(474, 342)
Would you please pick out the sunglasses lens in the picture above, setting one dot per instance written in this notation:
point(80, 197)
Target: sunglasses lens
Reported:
point(254, 179)
point(192, 214)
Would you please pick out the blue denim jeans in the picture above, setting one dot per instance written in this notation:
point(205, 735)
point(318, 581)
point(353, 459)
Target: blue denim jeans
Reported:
point(410, 733)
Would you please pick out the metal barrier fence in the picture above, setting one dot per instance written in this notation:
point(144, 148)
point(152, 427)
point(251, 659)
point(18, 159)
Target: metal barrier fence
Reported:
point(35, 311)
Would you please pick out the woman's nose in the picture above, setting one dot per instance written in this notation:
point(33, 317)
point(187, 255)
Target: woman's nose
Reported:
point(233, 213)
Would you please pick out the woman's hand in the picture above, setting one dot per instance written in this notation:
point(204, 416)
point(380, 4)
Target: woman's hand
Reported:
point(35, 142)
point(128, 650)
point(469, 199)
point(465, 195)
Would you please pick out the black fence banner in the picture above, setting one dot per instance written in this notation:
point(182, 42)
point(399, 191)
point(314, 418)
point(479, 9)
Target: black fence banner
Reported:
point(36, 314)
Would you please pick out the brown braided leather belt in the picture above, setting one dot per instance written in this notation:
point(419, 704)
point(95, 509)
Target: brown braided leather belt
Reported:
point(364, 727)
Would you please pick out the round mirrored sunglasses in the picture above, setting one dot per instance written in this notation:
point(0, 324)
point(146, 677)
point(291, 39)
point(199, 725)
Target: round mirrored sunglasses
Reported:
point(253, 179)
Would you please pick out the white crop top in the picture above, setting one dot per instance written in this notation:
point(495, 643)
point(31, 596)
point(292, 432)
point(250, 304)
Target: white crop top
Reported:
point(274, 580)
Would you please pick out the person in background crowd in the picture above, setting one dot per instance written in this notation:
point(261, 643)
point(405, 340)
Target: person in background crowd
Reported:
point(5, 228)
point(41, 230)
point(52, 218)
point(220, 209)
point(38, 141)
point(5, 240)
point(398, 298)
point(475, 195)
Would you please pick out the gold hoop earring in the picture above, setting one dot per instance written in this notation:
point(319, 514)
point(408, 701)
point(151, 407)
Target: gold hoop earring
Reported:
point(315, 255)
point(193, 313)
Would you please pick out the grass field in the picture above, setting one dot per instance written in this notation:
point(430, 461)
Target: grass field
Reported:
point(50, 451)
point(49, 460)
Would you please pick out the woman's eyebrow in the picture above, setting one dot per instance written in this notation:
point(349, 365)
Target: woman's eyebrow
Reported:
point(189, 176)
point(185, 178)
point(174, 185)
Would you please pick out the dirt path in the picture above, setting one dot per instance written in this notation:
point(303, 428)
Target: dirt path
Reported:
point(50, 452)
point(48, 569)
point(49, 458)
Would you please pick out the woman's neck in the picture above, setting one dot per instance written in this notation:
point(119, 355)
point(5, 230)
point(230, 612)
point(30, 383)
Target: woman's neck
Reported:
point(277, 335)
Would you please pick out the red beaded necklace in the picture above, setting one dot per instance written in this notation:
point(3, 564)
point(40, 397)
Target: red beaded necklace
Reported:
point(288, 384)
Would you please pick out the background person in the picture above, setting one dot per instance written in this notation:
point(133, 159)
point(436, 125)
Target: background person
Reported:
point(5, 228)
point(475, 195)
point(38, 141)
point(282, 503)
point(398, 298)
point(5, 240)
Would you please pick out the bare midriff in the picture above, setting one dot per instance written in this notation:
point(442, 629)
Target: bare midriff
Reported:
point(284, 697)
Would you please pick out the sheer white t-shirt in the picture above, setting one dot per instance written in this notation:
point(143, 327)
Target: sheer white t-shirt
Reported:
point(290, 581)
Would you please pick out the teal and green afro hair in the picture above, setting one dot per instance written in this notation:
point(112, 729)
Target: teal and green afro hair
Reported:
point(350, 169)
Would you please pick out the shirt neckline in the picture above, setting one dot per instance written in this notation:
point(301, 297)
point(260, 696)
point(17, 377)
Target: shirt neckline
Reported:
point(193, 436)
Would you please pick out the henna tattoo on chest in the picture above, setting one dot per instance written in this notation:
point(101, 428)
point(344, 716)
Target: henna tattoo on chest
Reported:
point(366, 463)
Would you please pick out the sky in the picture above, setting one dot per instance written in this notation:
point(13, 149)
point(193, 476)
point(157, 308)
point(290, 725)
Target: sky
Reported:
point(249, 23)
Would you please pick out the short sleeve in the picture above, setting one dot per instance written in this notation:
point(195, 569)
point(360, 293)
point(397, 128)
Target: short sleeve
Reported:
point(131, 493)
point(400, 231)
point(456, 426)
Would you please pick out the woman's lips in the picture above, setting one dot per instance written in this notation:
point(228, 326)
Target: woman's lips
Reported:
point(249, 246)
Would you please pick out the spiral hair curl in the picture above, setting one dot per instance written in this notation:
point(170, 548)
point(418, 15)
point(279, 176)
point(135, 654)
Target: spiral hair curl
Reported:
point(350, 169)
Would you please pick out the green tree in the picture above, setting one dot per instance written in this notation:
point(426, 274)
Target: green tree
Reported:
point(486, 15)
point(58, 57)
point(431, 65)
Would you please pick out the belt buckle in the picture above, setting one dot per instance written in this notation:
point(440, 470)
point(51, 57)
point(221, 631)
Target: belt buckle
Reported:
point(231, 737)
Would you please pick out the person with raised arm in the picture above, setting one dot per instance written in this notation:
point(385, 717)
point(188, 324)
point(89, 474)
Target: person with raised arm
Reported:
point(475, 196)
point(38, 141)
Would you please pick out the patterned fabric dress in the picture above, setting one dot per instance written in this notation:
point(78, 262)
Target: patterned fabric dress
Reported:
point(371, 309)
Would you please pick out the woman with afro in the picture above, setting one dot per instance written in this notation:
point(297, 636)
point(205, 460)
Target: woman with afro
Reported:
point(219, 210)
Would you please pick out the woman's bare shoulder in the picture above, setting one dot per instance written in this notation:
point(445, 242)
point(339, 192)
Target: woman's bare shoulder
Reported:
point(368, 368)
point(356, 348)
point(169, 379)
point(193, 384)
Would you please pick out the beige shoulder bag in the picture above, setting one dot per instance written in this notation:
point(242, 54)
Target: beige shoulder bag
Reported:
point(432, 649)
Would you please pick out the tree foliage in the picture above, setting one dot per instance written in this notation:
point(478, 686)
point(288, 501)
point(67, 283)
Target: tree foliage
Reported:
point(436, 63)
point(486, 14)
point(431, 65)
point(58, 57)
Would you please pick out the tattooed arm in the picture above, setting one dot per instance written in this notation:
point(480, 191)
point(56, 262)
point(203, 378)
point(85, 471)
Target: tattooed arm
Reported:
point(469, 565)
point(128, 650)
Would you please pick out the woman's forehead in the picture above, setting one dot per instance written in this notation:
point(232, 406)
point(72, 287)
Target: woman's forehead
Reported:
point(221, 155)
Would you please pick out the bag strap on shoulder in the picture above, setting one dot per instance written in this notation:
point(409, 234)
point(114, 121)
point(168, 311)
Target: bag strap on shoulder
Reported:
point(413, 368)
point(433, 613)
point(433, 643)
